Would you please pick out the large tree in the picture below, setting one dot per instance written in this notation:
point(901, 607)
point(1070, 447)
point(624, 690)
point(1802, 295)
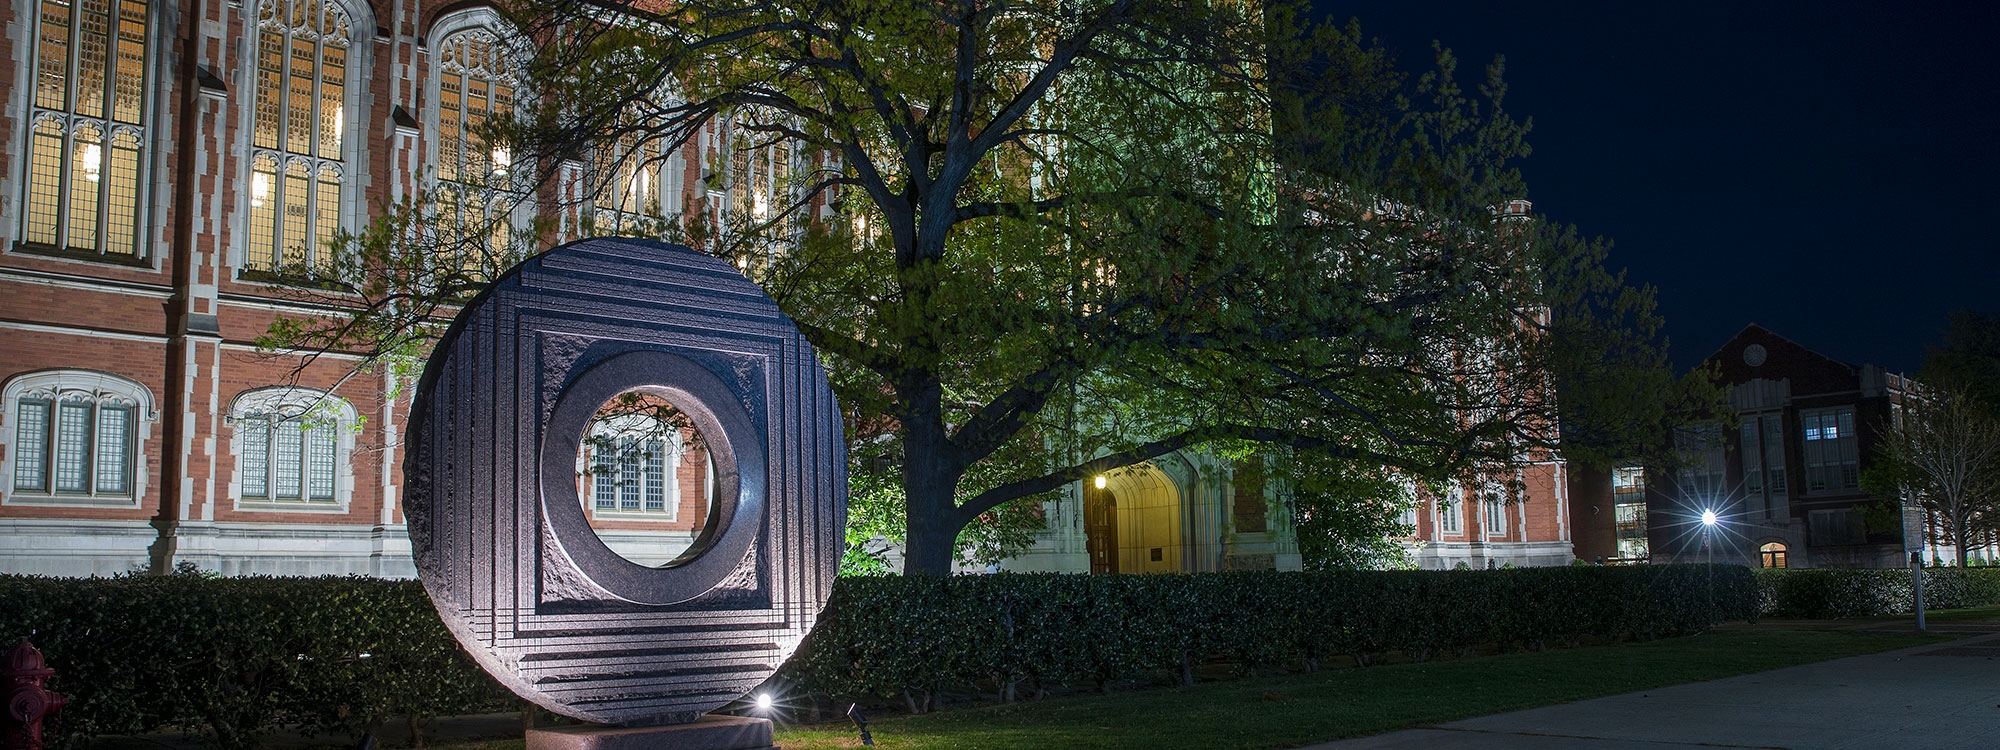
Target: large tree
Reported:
point(1944, 453)
point(1039, 240)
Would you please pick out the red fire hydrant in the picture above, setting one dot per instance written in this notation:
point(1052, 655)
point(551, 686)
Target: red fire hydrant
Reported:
point(28, 703)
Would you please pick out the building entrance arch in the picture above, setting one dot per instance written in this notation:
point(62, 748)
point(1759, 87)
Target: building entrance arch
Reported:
point(1133, 521)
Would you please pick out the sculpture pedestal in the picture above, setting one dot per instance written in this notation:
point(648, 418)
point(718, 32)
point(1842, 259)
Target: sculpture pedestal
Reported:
point(706, 733)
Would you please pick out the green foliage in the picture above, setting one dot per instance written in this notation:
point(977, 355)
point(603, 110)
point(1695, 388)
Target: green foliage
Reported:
point(1346, 515)
point(887, 636)
point(1038, 241)
point(1823, 593)
point(228, 658)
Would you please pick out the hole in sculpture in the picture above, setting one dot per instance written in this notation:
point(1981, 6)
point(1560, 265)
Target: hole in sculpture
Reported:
point(646, 481)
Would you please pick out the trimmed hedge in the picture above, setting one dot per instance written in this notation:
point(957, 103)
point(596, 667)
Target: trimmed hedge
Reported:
point(917, 636)
point(1826, 593)
point(228, 658)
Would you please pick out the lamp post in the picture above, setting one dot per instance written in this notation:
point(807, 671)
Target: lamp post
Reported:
point(1708, 521)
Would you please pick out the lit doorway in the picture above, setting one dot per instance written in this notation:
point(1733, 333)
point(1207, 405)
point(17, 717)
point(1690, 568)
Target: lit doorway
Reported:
point(1133, 523)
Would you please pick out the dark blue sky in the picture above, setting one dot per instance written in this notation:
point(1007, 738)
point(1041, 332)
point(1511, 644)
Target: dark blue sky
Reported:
point(1830, 170)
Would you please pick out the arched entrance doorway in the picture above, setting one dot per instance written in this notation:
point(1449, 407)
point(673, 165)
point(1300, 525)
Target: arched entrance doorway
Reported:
point(1133, 522)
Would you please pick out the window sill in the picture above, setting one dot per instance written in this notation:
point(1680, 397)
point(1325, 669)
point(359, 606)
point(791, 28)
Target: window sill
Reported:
point(272, 278)
point(319, 507)
point(88, 256)
point(613, 515)
point(60, 500)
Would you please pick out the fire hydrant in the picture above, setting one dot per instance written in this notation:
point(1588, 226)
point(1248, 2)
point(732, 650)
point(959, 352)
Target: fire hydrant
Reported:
point(28, 703)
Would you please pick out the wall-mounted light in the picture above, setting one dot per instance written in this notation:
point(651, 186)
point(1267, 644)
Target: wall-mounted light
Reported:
point(1100, 481)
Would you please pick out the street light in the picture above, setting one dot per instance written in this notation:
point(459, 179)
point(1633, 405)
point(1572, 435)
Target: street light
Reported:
point(1708, 522)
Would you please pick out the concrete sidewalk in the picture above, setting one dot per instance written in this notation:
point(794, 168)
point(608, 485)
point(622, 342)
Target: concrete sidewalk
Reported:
point(1938, 696)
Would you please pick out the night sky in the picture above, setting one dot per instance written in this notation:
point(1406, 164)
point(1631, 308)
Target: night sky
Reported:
point(1829, 170)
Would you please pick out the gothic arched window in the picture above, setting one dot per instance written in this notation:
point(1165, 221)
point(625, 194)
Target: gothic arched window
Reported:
point(476, 80)
point(74, 436)
point(292, 447)
point(297, 162)
point(85, 128)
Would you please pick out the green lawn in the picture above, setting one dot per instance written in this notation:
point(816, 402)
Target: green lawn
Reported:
point(1295, 710)
point(1302, 709)
point(1959, 615)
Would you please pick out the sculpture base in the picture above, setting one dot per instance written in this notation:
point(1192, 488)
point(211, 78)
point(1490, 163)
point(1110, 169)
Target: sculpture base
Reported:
point(706, 733)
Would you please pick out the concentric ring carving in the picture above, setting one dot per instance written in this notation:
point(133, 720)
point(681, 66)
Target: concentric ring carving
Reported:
point(500, 538)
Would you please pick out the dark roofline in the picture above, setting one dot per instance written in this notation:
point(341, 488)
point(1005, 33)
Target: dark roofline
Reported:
point(1780, 337)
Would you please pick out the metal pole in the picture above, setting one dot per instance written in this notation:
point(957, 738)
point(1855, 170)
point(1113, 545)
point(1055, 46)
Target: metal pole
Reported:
point(1917, 570)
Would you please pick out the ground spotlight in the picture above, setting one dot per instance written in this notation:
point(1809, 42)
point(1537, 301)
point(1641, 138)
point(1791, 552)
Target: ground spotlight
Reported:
point(764, 702)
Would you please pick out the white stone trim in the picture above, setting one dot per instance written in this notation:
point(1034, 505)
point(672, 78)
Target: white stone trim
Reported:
point(295, 401)
point(356, 92)
point(98, 387)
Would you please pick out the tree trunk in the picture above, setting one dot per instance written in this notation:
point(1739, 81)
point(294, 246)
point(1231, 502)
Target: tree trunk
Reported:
point(930, 485)
point(931, 530)
point(1961, 531)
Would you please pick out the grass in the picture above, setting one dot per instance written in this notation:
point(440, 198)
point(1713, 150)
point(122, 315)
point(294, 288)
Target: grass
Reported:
point(1302, 709)
point(1959, 615)
point(1296, 710)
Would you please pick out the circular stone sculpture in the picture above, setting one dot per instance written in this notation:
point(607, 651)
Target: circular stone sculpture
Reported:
point(499, 534)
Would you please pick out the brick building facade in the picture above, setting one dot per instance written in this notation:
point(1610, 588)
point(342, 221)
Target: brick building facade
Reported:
point(165, 160)
point(1784, 483)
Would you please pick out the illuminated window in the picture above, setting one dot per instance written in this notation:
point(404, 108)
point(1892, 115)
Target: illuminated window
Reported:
point(1831, 454)
point(642, 186)
point(289, 447)
point(87, 122)
point(74, 435)
point(760, 167)
point(1773, 555)
point(476, 80)
point(1628, 497)
point(297, 162)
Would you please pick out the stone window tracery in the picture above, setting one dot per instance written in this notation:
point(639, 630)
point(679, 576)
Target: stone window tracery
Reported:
point(74, 435)
point(86, 124)
point(298, 133)
point(291, 447)
point(476, 79)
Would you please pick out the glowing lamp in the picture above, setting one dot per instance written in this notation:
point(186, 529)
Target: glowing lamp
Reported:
point(1100, 481)
point(1708, 518)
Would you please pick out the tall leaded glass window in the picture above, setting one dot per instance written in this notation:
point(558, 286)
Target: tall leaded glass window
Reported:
point(760, 169)
point(297, 133)
point(641, 185)
point(85, 129)
point(476, 81)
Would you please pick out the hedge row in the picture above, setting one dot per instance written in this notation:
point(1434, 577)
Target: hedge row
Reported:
point(228, 658)
point(915, 636)
point(1818, 594)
